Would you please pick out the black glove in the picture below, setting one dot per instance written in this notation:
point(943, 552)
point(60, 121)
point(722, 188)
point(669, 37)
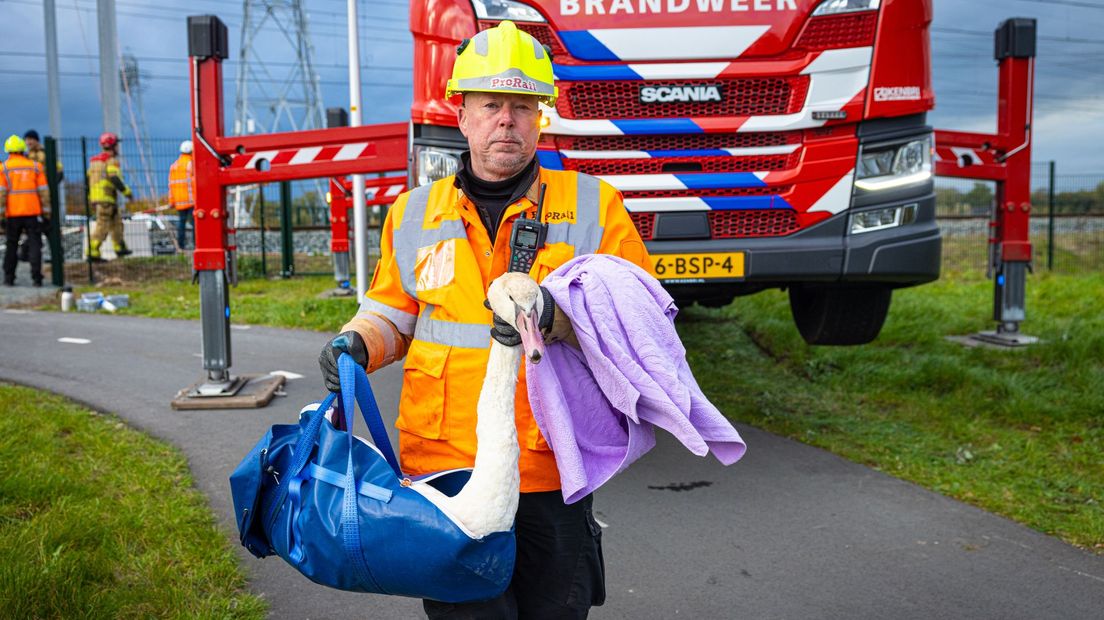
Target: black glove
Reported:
point(347, 342)
point(505, 334)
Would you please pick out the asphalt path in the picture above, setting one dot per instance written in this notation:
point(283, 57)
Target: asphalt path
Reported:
point(790, 531)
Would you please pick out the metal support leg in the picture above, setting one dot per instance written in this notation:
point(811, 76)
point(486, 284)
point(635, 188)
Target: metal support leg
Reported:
point(214, 317)
point(1009, 307)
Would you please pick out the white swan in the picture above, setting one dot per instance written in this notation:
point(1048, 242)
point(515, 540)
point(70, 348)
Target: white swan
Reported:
point(488, 502)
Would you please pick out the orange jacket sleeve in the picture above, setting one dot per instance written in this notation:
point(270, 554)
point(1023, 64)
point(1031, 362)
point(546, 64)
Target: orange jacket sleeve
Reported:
point(387, 314)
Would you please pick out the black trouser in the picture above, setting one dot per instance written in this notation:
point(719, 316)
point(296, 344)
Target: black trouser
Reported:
point(559, 573)
point(17, 226)
point(183, 216)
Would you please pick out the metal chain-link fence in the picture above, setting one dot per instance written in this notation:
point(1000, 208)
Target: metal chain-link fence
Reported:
point(282, 229)
point(1067, 220)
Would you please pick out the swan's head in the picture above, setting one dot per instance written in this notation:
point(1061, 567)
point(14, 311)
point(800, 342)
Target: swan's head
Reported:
point(516, 298)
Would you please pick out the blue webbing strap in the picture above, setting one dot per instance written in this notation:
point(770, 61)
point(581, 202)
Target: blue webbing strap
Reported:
point(295, 475)
point(367, 489)
point(369, 410)
point(349, 371)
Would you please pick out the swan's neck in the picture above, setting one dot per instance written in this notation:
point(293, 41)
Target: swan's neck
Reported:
point(496, 457)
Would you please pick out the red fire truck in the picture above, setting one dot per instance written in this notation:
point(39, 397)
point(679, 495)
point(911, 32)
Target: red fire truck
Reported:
point(758, 143)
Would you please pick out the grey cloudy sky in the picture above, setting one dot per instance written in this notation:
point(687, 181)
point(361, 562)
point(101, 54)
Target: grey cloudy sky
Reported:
point(1069, 72)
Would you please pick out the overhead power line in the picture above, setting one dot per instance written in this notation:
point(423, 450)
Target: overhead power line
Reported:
point(184, 59)
point(1039, 37)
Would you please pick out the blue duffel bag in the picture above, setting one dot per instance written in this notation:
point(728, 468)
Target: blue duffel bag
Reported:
point(340, 511)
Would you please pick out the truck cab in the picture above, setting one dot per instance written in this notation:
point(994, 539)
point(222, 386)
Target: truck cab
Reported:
point(758, 144)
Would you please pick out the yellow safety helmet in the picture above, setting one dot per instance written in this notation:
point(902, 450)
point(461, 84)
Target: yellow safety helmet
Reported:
point(503, 59)
point(15, 144)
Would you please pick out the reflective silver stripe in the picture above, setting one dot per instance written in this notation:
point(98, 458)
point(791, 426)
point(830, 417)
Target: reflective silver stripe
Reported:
point(385, 331)
point(467, 335)
point(538, 49)
point(403, 321)
point(480, 43)
point(510, 80)
point(23, 191)
point(586, 233)
point(412, 236)
point(407, 235)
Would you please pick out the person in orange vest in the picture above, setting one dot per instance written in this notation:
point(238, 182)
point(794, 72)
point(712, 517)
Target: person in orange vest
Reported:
point(36, 152)
point(23, 192)
point(180, 191)
point(105, 183)
point(441, 246)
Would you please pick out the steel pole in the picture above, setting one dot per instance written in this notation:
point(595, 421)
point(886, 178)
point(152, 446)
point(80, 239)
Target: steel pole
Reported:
point(109, 65)
point(53, 86)
point(360, 215)
point(1050, 216)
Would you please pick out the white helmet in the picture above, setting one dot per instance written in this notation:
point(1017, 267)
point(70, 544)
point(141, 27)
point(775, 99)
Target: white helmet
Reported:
point(186, 147)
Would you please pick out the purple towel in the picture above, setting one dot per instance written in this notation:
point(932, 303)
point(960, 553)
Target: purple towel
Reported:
point(598, 408)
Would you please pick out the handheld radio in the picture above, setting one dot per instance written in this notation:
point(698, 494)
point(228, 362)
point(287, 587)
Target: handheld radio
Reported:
point(527, 237)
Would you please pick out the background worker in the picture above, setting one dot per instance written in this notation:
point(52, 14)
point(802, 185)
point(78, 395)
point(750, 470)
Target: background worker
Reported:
point(180, 191)
point(441, 246)
point(36, 152)
point(23, 192)
point(105, 183)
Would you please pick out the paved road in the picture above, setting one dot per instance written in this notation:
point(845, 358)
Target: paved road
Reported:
point(789, 532)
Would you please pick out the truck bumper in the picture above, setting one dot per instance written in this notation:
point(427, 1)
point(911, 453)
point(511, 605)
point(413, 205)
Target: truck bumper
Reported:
point(901, 256)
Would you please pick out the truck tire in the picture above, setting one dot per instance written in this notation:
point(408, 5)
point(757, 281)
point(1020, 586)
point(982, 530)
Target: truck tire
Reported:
point(842, 315)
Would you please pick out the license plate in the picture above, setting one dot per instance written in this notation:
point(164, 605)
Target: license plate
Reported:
point(698, 266)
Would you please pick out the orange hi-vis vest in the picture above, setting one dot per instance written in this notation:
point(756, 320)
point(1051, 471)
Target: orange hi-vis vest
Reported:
point(426, 300)
point(22, 180)
point(180, 183)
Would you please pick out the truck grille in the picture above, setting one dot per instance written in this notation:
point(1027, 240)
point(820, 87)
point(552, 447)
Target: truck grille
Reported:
point(645, 224)
point(671, 142)
point(540, 32)
point(674, 165)
point(741, 97)
point(731, 224)
point(752, 223)
point(706, 193)
point(835, 31)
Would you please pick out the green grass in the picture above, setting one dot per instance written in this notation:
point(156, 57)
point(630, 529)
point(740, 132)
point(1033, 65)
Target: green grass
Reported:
point(1019, 433)
point(100, 521)
point(292, 303)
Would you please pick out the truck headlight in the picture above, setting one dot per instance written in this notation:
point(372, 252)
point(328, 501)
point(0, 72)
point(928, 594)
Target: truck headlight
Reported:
point(880, 219)
point(835, 7)
point(894, 166)
point(432, 163)
point(506, 9)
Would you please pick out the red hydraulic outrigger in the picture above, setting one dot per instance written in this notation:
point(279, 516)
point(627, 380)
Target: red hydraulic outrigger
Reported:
point(377, 192)
point(222, 161)
point(1004, 157)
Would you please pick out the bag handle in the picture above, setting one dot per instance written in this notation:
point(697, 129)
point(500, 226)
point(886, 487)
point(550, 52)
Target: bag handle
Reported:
point(355, 384)
point(352, 375)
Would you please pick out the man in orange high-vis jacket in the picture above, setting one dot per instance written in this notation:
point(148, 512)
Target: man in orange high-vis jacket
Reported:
point(441, 246)
point(23, 192)
point(181, 174)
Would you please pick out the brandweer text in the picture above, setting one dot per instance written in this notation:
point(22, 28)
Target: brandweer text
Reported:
point(613, 7)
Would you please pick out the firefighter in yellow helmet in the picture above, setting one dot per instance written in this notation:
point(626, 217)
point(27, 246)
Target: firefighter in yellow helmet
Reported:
point(441, 246)
point(23, 196)
point(105, 183)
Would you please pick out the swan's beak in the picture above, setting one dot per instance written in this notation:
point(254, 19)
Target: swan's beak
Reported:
point(532, 341)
